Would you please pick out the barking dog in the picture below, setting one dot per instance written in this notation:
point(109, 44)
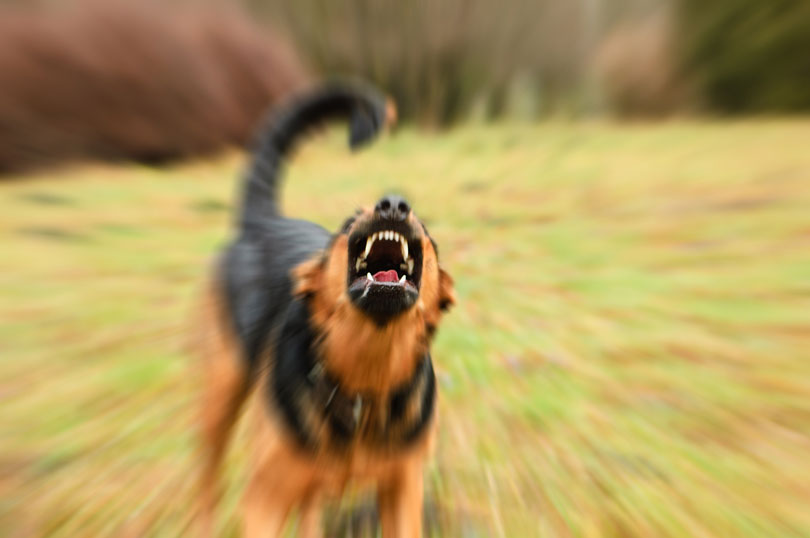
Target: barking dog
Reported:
point(332, 332)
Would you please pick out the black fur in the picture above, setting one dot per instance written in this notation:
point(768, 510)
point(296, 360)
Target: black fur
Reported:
point(258, 286)
point(365, 109)
point(402, 397)
point(256, 267)
point(294, 360)
point(301, 387)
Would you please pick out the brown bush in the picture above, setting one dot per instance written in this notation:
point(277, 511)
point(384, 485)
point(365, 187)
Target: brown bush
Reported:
point(636, 68)
point(133, 81)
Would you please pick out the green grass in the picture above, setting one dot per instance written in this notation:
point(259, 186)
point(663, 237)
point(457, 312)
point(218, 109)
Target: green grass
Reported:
point(630, 355)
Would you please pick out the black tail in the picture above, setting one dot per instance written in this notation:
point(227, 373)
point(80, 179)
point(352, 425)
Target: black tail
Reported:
point(365, 108)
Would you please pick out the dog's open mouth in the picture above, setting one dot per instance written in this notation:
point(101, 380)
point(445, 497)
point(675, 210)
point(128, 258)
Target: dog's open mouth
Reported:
point(385, 269)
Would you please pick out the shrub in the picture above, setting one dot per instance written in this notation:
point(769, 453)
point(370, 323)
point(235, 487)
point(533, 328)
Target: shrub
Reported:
point(637, 70)
point(748, 55)
point(133, 81)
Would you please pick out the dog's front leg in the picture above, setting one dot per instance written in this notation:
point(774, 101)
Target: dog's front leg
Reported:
point(400, 501)
point(266, 508)
point(310, 521)
point(275, 488)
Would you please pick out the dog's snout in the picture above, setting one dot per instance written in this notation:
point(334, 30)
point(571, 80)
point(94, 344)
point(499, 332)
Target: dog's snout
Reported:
point(392, 207)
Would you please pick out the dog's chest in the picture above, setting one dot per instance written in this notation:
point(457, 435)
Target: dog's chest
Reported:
point(362, 468)
point(321, 414)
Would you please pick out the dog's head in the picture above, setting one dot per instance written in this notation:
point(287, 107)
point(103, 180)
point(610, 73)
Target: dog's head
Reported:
point(383, 263)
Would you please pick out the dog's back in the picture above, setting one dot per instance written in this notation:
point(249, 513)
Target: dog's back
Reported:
point(255, 270)
point(252, 285)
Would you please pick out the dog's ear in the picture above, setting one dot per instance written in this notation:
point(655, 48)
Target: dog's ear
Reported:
point(447, 293)
point(308, 276)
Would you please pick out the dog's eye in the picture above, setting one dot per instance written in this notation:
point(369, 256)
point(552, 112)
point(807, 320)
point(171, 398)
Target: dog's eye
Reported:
point(347, 225)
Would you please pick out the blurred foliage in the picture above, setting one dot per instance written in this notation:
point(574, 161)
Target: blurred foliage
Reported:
point(748, 55)
point(444, 60)
point(117, 80)
point(636, 68)
point(455, 60)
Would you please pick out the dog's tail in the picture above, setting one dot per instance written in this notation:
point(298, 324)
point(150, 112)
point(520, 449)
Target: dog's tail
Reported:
point(367, 110)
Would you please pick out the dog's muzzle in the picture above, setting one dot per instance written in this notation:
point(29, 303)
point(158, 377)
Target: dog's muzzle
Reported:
point(385, 261)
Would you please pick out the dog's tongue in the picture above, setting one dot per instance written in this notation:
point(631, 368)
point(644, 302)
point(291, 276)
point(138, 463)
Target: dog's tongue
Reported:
point(386, 276)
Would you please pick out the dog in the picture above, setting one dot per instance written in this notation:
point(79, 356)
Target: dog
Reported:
point(329, 333)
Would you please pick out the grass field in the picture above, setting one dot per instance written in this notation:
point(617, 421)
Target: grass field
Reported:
point(630, 355)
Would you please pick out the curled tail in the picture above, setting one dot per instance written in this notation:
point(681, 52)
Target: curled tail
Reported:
point(366, 109)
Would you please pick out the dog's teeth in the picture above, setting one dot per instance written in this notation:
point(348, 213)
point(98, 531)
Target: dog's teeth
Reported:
point(396, 236)
point(402, 279)
point(410, 266)
point(404, 245)
point(369, 277)
point(387, 235)
point(357, 264)
point(369, 243)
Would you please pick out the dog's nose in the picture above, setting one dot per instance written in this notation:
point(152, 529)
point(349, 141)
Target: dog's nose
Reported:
point(392, 207)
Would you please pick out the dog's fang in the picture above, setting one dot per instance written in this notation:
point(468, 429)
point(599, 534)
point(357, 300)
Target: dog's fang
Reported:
point(369, 243)
point(357, 265)
point(410, 266)
point(404, 245)
point(369, 277)
point(402, 279)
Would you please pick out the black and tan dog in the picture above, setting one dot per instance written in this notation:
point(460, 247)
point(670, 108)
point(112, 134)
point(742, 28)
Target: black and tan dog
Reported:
point(333, 332)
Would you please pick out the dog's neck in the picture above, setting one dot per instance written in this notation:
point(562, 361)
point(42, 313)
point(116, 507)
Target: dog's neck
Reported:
point(366, 357)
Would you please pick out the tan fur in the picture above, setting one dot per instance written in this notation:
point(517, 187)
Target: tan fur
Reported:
point(365, 358)
point(283, 478)
point(353, 344)
point(223, 392)
point(368, 358)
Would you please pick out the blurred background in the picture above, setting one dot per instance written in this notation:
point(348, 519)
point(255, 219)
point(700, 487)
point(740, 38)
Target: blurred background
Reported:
point(621, 189)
